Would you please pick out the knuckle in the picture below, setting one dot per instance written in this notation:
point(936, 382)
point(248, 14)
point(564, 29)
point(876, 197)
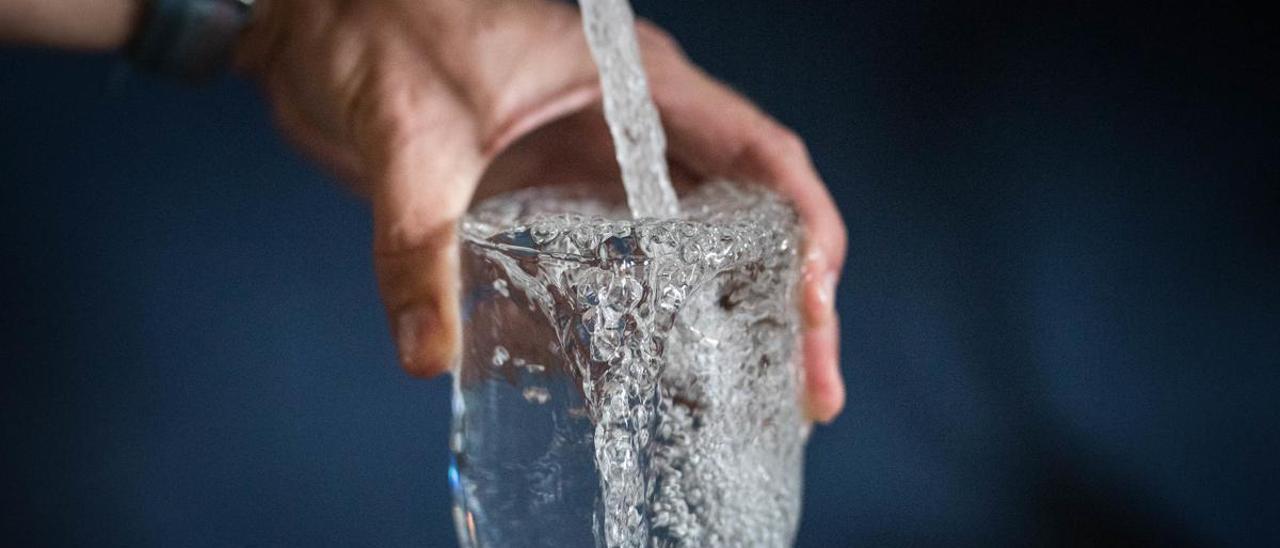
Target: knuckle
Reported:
point(786, 142)
point(840, 242)
point(830, 236)
point(379, 111)
point(655, 38)
point(833, 238)
point(771, 141)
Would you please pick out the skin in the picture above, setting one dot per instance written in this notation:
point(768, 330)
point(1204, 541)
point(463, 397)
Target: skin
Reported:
point(424, 105)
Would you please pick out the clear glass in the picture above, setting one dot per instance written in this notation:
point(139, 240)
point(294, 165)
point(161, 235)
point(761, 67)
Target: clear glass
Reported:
point(628, 383)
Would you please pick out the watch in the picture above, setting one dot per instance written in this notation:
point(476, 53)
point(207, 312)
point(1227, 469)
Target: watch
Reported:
point(188, 39)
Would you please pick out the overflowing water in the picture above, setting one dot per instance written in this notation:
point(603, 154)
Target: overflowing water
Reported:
point(638, 139)
point(626, 382)
point(628, 375)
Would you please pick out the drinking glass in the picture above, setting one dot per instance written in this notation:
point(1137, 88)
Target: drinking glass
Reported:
point(628, 382)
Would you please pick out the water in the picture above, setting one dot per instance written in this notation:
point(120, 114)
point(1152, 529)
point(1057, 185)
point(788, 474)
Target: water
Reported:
point(638, 139)
point(628, 383)
point(628, 376)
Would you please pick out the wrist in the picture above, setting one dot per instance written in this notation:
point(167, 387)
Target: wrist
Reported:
point(188, 39)
point(103, 25)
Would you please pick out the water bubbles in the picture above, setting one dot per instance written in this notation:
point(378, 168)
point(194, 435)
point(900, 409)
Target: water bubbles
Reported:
point(658, 239)
point(622, 249)
point(500, 355)
point(585, 237)
point(605, 343)
point(691, 252)
point(608, 300)
point(624, 293)
point(724, 241)
point(544, 231)
point(518, 237)
point(615, 229)
point(681, 441)
point(536, 395)
point(590, 284)
point(670, 298)
point(529, 367)
point(677, 337)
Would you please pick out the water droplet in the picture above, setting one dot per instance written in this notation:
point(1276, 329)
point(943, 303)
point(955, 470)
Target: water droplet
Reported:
point(670, 298)
point(691, 252)
point(545, 231)
point(536, 395)
point(622, 249)
point(500, 355)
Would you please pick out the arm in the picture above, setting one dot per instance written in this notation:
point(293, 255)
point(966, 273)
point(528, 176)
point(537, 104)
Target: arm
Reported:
point(422, 104)
point(92, 25)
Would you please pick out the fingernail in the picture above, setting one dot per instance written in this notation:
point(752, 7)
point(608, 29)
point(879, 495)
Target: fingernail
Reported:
point(824, 381)
point(823, 413)
point(827, 291)
point(834, 400)
point(408, 330)
point(814, 260)
point(820, 305)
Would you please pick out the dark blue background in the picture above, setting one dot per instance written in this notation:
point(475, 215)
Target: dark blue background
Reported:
point(1061, 309)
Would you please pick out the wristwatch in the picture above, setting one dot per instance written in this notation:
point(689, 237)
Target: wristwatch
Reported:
point(188, 39)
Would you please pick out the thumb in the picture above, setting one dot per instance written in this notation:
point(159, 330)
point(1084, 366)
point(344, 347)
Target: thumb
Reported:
point(426, 178)
point(419, 287)
point(427, 148)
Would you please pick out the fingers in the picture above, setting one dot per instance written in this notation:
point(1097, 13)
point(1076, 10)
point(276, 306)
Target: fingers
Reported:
point(714, 130)
point(415, 210)
point(427, 147)
point(422, 155)
point(409, 102)
point(718, 133)
point(824, 386)
point(419, 288)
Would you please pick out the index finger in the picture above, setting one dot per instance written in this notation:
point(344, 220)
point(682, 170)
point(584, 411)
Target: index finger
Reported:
point(716, 132)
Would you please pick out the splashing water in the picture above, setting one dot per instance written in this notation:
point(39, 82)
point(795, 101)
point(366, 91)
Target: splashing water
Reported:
point(638, 139)
point(666, 412)
point(628, 376)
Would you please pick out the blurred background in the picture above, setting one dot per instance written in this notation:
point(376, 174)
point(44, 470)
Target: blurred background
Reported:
point(1061, 312)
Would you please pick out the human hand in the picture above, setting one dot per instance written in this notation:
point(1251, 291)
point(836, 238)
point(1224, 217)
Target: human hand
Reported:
point(423, 104)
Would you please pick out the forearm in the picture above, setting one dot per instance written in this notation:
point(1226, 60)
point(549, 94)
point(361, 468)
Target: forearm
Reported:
point(68, 24)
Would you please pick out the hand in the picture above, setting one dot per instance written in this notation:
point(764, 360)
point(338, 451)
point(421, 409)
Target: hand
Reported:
point(423, 104)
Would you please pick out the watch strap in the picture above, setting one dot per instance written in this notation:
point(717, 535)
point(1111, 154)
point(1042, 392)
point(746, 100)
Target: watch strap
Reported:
point(188, 39)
